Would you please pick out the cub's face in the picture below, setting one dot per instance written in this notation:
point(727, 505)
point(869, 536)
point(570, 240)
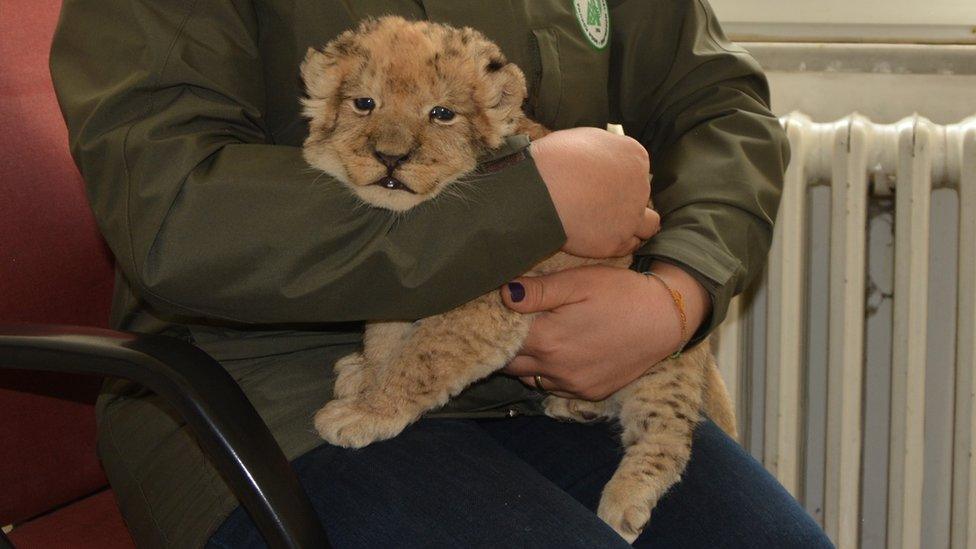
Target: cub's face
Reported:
point(400, 109)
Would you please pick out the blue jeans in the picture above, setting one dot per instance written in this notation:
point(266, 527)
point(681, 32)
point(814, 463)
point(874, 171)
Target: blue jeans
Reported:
point(530, 482)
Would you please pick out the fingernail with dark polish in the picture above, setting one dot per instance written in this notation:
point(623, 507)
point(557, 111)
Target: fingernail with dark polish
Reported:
point(517, 290)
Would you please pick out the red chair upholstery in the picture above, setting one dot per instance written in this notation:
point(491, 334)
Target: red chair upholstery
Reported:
point(55, 288)
point(54, 268)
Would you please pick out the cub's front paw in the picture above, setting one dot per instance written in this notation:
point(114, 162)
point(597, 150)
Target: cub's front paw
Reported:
point(571, 409)
point(351, 423)
point(350, 375)
point(623, 508)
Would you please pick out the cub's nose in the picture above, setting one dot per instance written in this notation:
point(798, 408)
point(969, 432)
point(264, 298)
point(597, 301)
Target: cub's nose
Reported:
point(391, 160)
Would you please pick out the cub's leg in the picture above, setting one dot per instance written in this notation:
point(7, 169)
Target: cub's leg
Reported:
point(443, 355)
point(350, 375)
point(382, 342)
point(582, 411)
point(658, 413)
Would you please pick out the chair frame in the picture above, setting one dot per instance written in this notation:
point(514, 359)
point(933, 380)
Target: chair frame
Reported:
point(227, 427)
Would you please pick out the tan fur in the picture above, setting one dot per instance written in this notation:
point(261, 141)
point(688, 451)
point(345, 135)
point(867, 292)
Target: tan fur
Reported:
point(718, 406)
point(407, 369)
point(408, 68)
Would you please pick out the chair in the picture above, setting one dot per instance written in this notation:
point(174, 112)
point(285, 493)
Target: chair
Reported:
point(56, 278)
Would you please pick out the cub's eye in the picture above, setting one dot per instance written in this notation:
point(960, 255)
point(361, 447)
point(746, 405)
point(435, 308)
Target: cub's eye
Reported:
point(441, 114)
point(364, 105)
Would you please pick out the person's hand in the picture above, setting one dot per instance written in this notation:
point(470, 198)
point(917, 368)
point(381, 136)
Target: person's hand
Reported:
point(599, 185)
point(599, 328)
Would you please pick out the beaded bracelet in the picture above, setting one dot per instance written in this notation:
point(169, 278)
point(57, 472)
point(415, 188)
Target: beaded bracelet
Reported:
point(679, 303)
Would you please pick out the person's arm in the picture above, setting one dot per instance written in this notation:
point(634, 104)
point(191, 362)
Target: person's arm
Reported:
point(700, 105)
point(208, 217)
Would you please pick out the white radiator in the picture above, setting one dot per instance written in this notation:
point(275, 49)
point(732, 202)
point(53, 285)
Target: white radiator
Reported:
point(767, 329)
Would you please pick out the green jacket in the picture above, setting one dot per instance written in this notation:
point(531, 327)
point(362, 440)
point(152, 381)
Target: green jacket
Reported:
point(184, 120)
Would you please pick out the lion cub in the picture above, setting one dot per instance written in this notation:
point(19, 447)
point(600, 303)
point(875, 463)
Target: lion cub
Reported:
point(399, 111)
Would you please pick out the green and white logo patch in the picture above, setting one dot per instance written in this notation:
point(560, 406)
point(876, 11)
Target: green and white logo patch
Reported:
point(594, 17)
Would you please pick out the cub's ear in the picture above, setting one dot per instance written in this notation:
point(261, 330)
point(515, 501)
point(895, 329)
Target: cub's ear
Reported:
point(322, 70)
point(315, 73)
point(323, 73)
point(505, 93)
point(322, 77)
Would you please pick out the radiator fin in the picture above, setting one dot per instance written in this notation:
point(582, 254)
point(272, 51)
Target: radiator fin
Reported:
point(859, 159)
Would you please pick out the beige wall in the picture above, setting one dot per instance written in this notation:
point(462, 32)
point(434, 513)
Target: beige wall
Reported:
point(943, 21)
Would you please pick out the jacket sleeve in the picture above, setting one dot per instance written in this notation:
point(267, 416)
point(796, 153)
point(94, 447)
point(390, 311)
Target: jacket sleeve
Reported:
point(700, 105)
point(208, 217)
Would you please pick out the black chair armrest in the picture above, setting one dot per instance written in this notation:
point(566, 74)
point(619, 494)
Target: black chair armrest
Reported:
point(228, 428)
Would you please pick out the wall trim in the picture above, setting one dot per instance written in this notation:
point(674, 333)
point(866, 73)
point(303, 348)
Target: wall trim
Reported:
point(865, 58)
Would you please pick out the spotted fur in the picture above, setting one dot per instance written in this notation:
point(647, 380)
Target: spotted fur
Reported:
point(407, 369)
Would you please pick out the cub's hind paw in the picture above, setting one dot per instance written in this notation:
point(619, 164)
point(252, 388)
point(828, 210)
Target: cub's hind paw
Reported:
point(351, 423)
point(623, 508)
point(350, 375)
point(571, 409)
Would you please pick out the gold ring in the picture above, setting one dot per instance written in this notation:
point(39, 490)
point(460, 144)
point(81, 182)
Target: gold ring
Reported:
point(538, 385)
